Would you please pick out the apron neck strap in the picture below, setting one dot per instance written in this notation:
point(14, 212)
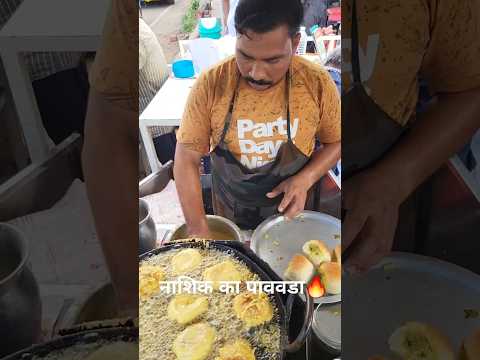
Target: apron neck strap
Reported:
point(233, 100)
point(228, 117)
point(287, 99)
point(355, 46)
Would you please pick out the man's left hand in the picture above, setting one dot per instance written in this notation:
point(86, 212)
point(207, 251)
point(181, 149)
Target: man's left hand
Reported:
point(295, 190)
point(372, 202)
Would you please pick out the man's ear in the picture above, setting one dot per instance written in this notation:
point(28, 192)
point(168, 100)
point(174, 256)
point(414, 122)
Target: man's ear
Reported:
point(295, 42)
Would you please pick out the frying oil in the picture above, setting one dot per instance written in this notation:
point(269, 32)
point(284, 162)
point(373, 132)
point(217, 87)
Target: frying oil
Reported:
point(75, 352)
point(157, 332)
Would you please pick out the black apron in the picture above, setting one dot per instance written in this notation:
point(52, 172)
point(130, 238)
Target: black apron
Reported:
point(367, 134)
point(239, 193)
point(367, 131)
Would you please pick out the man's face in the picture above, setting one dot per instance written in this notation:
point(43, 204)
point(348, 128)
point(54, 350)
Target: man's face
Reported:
point(263, 59)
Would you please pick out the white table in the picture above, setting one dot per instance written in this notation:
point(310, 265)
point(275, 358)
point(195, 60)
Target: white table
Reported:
point(46, 25)
point(165, 109)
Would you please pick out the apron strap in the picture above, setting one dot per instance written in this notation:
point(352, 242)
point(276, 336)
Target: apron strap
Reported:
point(355, 46)
point(228, 117)
point(287, 96)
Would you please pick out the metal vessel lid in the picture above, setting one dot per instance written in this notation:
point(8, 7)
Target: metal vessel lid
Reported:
point(327, 325)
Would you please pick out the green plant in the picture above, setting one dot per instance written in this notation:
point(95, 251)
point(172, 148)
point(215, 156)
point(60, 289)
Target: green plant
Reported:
point(195, 4)
point(189, 20)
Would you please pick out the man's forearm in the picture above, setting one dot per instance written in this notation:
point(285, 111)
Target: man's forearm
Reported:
point(110, 166)
point(226, 9)
point(436, 136)
point(322, 160)
point(187, 180)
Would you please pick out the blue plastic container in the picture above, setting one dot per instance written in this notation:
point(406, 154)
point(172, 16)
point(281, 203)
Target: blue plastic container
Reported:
point(210, 28)
point(183, 69)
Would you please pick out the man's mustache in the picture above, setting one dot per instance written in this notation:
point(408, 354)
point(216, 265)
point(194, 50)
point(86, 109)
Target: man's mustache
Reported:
point(257, 82)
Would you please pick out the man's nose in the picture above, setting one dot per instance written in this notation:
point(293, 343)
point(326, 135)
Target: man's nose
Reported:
point(257, 72)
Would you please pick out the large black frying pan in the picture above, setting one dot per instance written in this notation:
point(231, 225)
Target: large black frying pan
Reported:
point(128, 333)
point(262, 269)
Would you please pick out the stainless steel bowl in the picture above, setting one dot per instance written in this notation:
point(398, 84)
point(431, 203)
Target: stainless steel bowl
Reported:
point(216, 224)
point(101, 305)
point(20, 303)
point(147, 233)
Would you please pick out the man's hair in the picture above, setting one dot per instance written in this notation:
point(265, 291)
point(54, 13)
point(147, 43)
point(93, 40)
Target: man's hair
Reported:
point(261, 16)
point(334, 58)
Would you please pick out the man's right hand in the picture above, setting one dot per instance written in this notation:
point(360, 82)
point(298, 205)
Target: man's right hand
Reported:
point(199, 231)
point(189, 188)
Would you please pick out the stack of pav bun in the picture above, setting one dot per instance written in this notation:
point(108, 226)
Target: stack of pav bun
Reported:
point(317, 259)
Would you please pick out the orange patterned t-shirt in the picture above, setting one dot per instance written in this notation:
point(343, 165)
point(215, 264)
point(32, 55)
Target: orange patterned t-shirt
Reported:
point(259, 124)
point(402, 41)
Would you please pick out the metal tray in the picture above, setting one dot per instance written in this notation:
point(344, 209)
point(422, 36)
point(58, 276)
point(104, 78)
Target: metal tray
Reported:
point(406, 287)
point(277, 239)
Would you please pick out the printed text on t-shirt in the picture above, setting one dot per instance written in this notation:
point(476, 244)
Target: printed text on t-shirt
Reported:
point(255, 152)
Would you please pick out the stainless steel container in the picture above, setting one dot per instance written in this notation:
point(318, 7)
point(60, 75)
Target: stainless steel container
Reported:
point(218, 225)
point(327, 327)
point(147, 233)
point(100, 306)
point(20, 305)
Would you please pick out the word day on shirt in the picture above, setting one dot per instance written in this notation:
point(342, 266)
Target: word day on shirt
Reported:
point(257, 141)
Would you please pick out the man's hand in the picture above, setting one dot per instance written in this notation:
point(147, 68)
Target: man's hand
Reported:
point(199, 230)
point(372, 198)
point(226, 10)
point(324, 31)
point(295, 190)
point(371, 205)
point(187, 180)
point(225, 29)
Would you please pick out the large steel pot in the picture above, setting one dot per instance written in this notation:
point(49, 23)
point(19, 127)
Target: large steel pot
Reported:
point(147, 233)
point(20, 305)
point(100, 306)
point(216, 224)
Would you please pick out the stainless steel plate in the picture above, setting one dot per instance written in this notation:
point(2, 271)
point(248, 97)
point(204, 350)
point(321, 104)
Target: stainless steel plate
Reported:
point(406, 287)
point(277, 239)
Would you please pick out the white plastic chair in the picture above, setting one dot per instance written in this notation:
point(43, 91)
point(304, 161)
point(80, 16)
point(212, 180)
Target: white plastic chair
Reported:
point(332, 42)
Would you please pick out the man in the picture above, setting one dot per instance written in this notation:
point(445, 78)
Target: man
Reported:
point(152, 66)
point(59, 83)
point(110, 154)
point(315, 13)
point(152, 74)
point(258, 115)
point(229, 7)
point(388, 149)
